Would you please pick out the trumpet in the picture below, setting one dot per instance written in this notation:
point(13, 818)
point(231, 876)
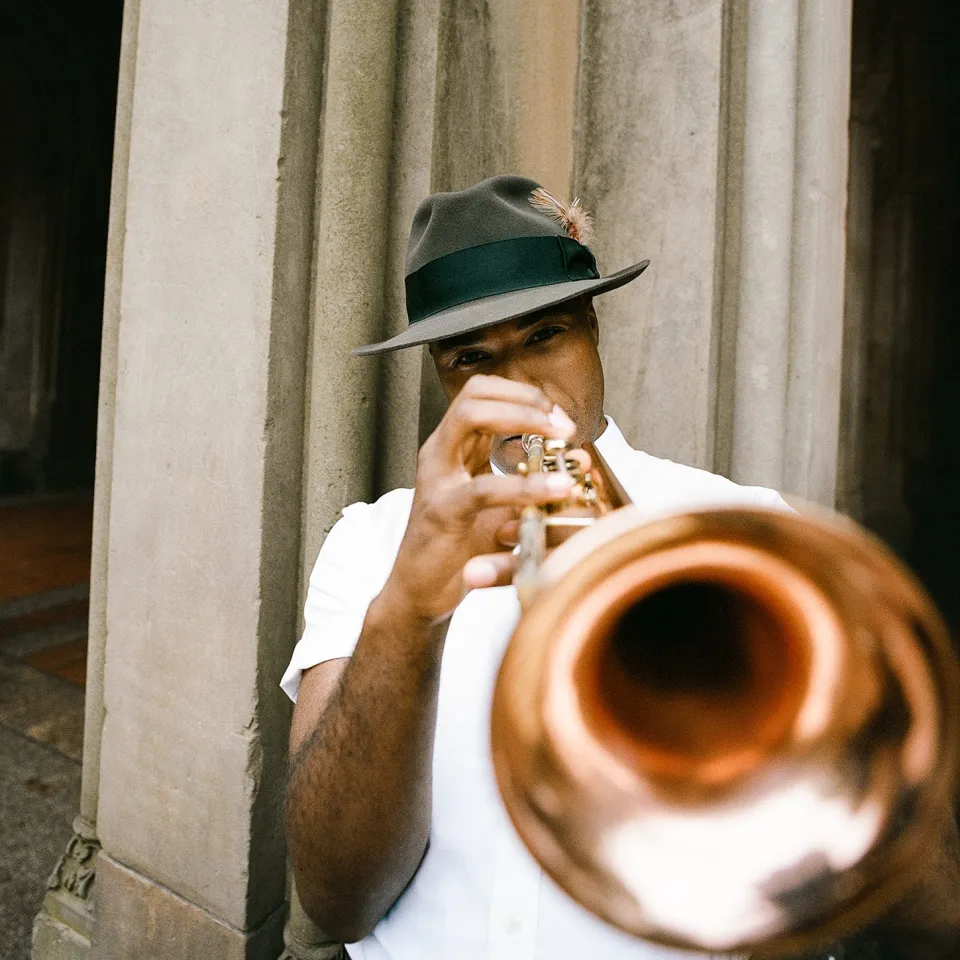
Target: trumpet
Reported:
point(732, 731)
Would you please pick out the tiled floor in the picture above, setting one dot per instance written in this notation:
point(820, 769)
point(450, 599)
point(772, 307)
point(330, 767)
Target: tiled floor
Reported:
point(44, 546)
point(44, 585)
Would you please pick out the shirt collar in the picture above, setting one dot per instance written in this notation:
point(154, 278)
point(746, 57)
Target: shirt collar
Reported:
point(611, 444)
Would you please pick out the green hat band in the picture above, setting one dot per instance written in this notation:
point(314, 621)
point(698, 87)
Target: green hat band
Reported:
point(501, 266)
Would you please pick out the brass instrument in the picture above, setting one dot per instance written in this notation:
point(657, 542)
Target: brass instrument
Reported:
point(728, 731)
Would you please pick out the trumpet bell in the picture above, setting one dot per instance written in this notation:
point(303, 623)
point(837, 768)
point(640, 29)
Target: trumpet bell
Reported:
point(729, 731)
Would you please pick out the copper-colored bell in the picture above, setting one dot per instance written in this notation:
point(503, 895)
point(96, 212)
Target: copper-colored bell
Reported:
point(732, 731)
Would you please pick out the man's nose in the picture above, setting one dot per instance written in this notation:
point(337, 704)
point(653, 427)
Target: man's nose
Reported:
point(514, 368)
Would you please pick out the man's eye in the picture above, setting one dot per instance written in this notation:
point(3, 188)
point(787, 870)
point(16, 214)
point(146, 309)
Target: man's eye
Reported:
point(469, 357)
point(546, 333)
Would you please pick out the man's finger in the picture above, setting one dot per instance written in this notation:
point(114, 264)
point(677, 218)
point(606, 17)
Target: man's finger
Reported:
point(508, 535)
point(485, 387)
point(489, 570)
point(582, 457)
point(490, 490)
point(504, 418)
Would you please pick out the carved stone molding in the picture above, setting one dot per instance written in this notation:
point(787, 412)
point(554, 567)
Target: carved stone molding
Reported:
point(63, 928)
point(75, 871)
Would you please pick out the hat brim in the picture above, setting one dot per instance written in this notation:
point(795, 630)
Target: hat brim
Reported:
point(467, 317)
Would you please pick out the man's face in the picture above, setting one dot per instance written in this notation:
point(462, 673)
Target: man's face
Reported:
point(554, 350)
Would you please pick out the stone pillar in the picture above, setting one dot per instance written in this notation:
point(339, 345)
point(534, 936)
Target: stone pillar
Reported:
point(505, 103)
point(648, 155)
point(351, 231)
point(413, 118)
point(781, 322)
point(712, 139)
point(818, 250)
point(199, 487)
point(357, 194)
point(64, 926)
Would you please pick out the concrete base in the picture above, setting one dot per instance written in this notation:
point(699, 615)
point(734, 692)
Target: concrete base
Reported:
point(63, 928)
point(54, 940)
point(138, 919)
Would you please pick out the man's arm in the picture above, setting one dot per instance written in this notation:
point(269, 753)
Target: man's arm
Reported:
point(358, 810)
point(359, 795)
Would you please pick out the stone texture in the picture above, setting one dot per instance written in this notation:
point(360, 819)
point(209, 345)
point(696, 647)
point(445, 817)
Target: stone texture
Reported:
point(759, 220)
point(401, 372)
point(138, 919)
point(817, 286)
point(780, 332)
point(351, 232)
point(304, 940)
point(505, 103)
point(39, 791)
point(106, 414)
point(647, 165)
point(54, 940)
point(203, 514)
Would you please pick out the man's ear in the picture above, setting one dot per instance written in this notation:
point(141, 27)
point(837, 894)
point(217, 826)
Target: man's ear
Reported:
point(593, 321)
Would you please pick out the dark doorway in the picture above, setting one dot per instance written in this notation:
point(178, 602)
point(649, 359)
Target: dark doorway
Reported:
point(902, 392)
point(58, 83)
point(58, 89)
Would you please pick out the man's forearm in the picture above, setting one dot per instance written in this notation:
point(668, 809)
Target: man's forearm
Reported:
point(358, 801)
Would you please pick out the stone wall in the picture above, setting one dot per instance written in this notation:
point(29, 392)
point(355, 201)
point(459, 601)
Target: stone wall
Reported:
point(272, 159)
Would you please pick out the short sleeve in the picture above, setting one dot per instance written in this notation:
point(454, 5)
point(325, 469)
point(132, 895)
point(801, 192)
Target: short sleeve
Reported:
point(351, 569)
point(773, 500)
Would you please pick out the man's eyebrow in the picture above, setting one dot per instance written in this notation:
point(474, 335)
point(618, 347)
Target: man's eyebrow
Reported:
point(474, 337)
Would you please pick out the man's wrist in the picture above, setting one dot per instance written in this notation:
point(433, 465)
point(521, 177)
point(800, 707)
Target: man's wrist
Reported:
point(396, 608)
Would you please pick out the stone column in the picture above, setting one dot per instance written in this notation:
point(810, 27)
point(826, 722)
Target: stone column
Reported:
point(64, 925)
point(351, 232)
point(354, 237)
point(648, 156)
point(505, 99)
point(410, 170)
point(712, 139)
point(781, 321)
point(818, 250)
point(203, 496)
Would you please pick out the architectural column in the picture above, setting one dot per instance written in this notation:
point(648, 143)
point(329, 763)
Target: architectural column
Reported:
point(64, 926)
point(354, 298)
point(410, 172)
point(505, 103)
point(781, 320)
point(648, 153)
point(818, 254)
point(349, 271)
point(711, 138)
point(198, 488)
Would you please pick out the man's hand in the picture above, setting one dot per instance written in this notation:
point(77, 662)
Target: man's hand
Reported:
point(451, 544)
point(359, 799)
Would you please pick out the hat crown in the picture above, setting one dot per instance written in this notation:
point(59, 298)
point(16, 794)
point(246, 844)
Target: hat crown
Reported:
point(498, 208)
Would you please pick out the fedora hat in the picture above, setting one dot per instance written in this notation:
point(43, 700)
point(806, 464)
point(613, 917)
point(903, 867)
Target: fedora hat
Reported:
point(496, 251)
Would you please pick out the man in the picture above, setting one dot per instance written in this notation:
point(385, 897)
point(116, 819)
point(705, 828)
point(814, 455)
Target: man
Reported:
point(399, 843)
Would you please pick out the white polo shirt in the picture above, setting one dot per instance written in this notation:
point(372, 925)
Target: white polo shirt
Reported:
point(478, 894)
